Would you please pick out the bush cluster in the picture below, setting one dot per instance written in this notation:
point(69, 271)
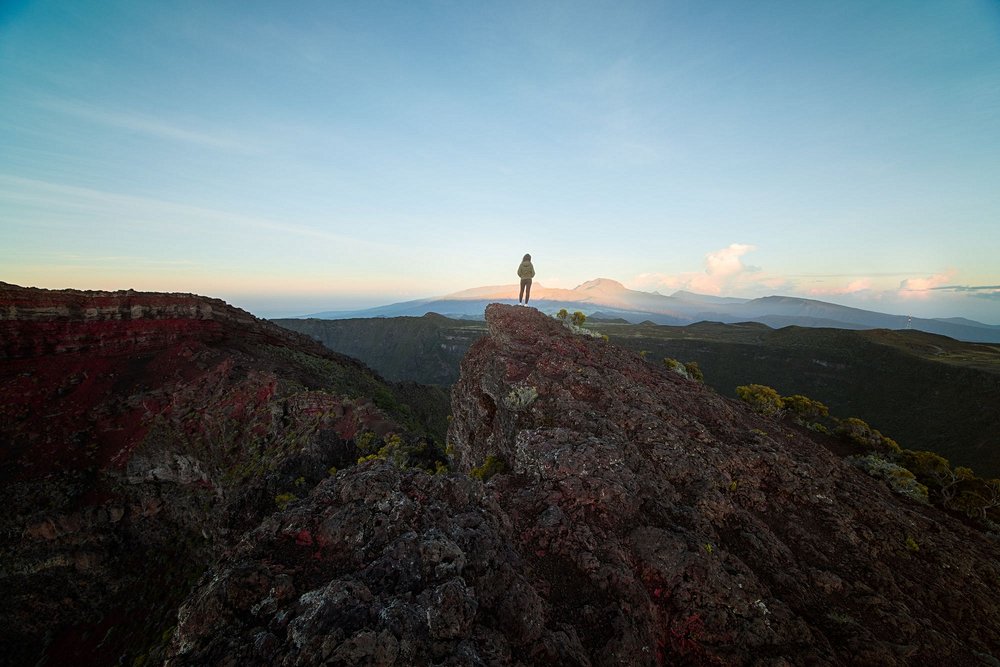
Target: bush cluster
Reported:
point(412, 453)
point(920, 475)
point(491, 466)
point(690, 370)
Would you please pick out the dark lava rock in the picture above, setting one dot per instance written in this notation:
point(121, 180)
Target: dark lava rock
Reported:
point(644, 520)
point(377, 567)
point(674, 526)
point(140, 435)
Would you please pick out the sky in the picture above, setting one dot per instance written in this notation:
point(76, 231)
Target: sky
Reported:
point(297, 157)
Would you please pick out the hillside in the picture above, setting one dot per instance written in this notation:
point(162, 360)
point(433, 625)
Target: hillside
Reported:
point(140, 435)
point(926, 391)
point(631, 516)
point(424, 349)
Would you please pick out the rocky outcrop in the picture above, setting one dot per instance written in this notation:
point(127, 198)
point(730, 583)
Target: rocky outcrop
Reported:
point(642, 520)
point(140, 434)
point(377, 567)
point(673, 525)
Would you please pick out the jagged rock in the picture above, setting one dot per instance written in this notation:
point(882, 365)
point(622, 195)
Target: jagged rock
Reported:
point(140, 434)
point(673, 525)
point(377, 567)
point(643, 520)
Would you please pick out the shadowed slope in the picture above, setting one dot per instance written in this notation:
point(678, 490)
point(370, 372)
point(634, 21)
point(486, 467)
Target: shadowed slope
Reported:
point(139, 434)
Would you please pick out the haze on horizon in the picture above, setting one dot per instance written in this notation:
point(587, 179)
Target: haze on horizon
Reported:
point(344, 155)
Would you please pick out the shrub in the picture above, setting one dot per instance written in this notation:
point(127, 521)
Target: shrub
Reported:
point(804, 409)
point(897, 477)
point(859, 432)
point(491, 466)
point(578, 318)
point(694, 371)
point(761, 398)
point(562, 314)
point(282, 499)
point(927, 465)
point(673, 365)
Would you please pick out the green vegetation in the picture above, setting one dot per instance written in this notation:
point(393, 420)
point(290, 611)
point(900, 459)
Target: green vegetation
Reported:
point(694, 371)
point(283, 499)
point(563, 314)
point(911, 544)
point(804, 410)
point(491, 466)
point(860, 433)
point(923, 476)
point(761, 399)
point(689, 370)
point(578, 319)
point(403, 453)
point(898, 478)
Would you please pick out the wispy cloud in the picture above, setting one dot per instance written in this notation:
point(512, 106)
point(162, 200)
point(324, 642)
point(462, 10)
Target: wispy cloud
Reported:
point(149, 125)
point(854, 287)
point(164, 213)
point(991, 292)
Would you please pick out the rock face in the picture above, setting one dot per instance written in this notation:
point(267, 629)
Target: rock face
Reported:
point(140, 434)
point(673, 525)
point(643, 520)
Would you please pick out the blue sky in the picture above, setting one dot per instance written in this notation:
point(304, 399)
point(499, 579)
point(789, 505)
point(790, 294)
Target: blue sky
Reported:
point(295, 157)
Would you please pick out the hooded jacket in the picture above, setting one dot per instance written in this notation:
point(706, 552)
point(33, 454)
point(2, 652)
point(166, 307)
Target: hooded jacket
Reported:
point(525, 270)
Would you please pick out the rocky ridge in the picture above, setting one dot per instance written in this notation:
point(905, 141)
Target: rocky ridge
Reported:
point(142, 433)
point(639, 519)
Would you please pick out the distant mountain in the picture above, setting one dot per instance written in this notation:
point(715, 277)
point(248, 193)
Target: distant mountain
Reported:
point(613, 300)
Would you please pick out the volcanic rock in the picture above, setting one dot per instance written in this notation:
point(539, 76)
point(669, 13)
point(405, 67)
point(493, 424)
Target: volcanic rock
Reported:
point(643, 520)
point(140, 434)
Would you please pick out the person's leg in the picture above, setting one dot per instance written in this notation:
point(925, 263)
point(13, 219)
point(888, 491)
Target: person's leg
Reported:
point(527, 292)
point(520, 296)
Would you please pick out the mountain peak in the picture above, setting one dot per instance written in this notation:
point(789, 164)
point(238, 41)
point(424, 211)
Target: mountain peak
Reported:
point(600, 284)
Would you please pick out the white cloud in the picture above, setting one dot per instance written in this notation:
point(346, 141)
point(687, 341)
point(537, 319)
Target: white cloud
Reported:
point(725, 272)
point(920, 288)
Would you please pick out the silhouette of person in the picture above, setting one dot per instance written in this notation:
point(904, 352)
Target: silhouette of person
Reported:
point(525, 271)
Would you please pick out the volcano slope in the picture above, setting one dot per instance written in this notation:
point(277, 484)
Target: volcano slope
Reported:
point(140, 434)
point(641, 519)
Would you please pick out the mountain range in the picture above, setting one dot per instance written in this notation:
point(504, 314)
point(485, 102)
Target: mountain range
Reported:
point(606, 298)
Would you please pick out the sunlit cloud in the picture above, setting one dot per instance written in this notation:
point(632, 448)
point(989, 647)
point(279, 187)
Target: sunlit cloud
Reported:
point(725, 271)
point(920, 287)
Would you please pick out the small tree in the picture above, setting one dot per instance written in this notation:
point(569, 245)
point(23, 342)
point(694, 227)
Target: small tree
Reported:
point(578, 319)
point(562, 314)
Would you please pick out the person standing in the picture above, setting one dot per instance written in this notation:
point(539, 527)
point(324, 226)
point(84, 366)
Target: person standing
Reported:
point(525, 271)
